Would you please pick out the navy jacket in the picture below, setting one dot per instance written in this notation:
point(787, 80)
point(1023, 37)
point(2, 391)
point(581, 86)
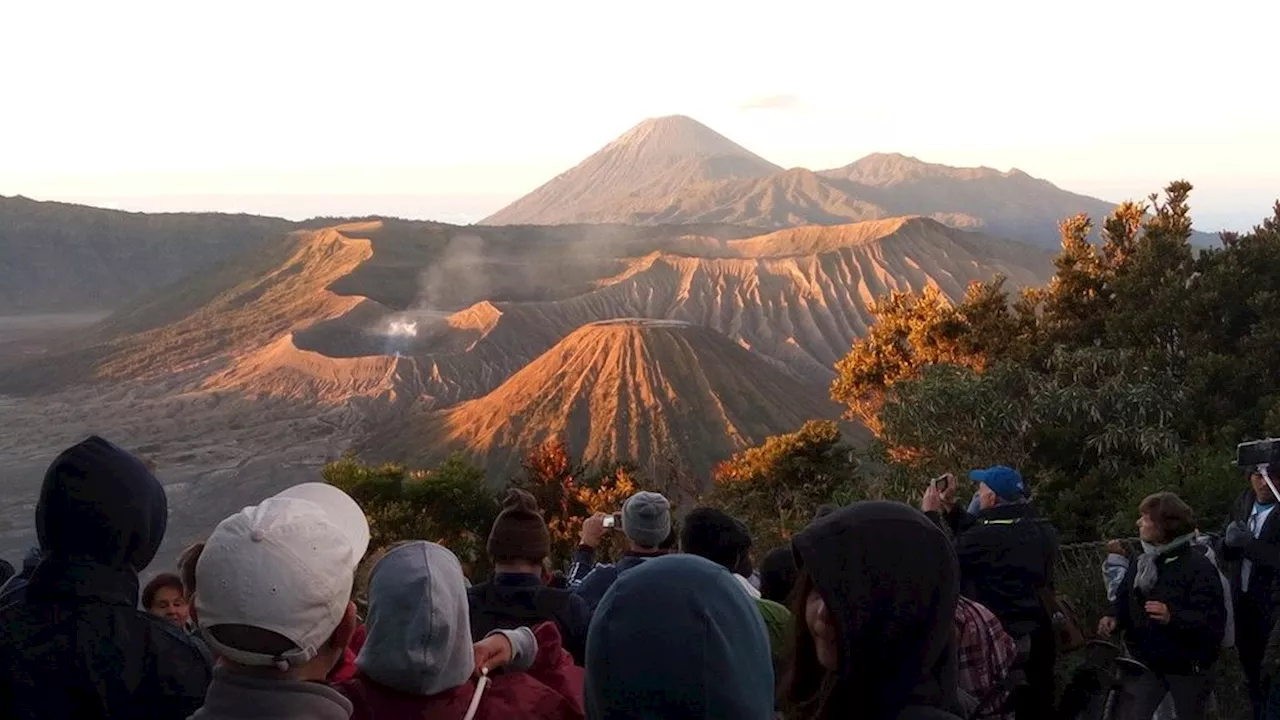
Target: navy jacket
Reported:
point(601, 577)
point(512, 600)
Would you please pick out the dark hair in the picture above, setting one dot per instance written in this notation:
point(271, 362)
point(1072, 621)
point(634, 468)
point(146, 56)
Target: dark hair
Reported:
point(187, 562)
point(778, 574)
point(716, 536)
point(158, 583)
point(805, 687)
point(1171, 515)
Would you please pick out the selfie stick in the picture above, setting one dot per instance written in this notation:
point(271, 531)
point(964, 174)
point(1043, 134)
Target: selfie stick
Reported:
point(475, 699)
point(1262, 470)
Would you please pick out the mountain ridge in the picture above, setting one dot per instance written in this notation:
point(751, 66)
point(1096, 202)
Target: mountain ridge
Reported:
point(1010, 204)
point(62, 257)
point(403, 320)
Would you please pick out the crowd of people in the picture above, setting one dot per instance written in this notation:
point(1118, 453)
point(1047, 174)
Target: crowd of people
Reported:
point(876, 610)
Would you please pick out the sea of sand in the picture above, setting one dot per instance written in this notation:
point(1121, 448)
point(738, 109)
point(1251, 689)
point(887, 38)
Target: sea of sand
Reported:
point(215, 452)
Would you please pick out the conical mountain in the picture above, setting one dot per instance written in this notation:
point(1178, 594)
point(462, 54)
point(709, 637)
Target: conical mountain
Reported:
point(630, 390)
point(657, 158)
point(675, 170)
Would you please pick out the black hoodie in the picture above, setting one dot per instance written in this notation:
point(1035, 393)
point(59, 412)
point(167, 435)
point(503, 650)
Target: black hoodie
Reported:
point(890, 582)
point(73, 643)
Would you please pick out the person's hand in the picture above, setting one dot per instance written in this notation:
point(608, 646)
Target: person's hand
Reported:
point(593, 530)
point(1237, 535)
point(492, 652)
point(1116, 547)
point(1106, 626)
point(932, 500)
point(1158, 612)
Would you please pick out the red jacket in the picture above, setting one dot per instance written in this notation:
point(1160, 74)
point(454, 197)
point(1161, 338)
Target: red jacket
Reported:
point(550, 689)
point(346, 667)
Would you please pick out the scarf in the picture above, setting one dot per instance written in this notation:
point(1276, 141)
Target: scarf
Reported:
point(1147, 568)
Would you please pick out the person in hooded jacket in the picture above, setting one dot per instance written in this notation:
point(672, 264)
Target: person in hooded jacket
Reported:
point(74, 644)
point(1172, 608)
point(418, 660)
point(676, 638)
point(875, 606)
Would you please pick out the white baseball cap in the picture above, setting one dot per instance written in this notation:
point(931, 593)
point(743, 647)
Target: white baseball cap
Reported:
point(286, 565)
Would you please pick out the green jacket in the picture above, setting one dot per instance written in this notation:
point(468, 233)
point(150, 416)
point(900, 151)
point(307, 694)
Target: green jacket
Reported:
point(777, 622)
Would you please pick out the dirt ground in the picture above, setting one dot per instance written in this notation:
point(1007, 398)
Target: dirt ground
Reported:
point(214, 452)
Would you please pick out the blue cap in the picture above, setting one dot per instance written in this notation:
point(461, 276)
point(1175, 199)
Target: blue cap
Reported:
point(1003, 481)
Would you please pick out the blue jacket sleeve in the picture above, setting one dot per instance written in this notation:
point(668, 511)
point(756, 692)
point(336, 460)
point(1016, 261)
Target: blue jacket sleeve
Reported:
point(594, 586)
point(584, 561)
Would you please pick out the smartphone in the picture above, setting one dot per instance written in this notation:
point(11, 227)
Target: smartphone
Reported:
point(1258, 452)
point(611, 521)
point(942, 482)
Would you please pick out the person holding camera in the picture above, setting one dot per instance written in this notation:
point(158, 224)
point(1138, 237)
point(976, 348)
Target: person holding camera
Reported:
point(646, 523)
point(1171, 607)
point(1252, 554)
point(1007, 554)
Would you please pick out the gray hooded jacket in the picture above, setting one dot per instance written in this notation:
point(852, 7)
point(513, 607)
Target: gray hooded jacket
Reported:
point(419, 627)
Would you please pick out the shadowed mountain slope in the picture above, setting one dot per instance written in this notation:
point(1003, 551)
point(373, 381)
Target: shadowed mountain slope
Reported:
point(58, 257)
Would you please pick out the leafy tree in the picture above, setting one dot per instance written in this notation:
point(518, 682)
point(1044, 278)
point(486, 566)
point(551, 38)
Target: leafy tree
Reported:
point(1232, 321)
point(449, 504)
point(1206, 478)
point(913, 331)
point(1139, 360)
point(1149, 279)
point(551, 476)
point(776, 486)
point(568, 493)
point(1074, 304)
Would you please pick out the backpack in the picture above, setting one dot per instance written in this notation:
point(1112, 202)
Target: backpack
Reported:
point(1210, 546)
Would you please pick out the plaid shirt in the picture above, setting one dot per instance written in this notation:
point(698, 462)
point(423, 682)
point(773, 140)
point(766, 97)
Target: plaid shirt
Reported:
point(986, 653)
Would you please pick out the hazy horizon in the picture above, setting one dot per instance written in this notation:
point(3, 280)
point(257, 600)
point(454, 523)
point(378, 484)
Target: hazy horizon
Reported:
point(450, 112)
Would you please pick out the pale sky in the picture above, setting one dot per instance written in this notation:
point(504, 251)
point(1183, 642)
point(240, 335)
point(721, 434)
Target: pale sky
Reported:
point(448, 110)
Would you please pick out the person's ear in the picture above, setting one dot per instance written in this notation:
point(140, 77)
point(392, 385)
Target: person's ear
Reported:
point(346, 629)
